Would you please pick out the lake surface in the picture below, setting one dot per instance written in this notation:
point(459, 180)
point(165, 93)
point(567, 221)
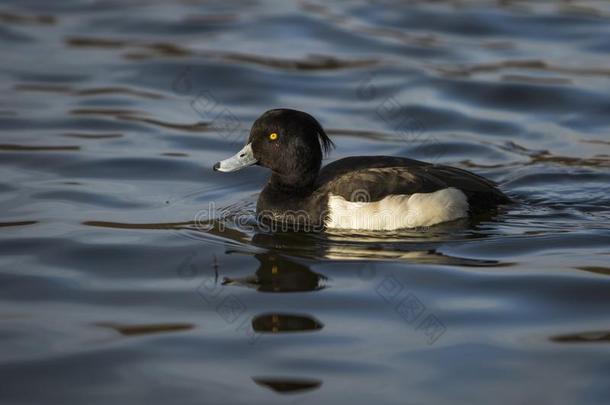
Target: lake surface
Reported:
point(130, 272)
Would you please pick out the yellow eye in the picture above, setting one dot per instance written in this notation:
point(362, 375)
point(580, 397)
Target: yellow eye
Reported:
point(273, 136)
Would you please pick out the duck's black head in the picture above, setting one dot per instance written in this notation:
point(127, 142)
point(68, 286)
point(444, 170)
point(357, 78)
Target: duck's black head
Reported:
point(289, 142)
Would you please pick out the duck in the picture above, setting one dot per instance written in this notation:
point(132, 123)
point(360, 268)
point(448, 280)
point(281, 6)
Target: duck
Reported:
point(371, 193)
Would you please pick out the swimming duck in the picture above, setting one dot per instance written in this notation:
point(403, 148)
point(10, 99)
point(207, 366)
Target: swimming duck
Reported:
point(359, 192)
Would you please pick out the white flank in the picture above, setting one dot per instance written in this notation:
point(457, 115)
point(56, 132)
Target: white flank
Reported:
point(398, 211)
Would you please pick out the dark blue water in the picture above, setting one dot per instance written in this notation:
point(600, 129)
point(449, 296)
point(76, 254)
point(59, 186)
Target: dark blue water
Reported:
point(130, 272)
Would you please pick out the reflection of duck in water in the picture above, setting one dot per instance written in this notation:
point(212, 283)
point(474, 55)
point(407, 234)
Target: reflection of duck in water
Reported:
point(286, 385)
point(283, 323)
point(278, 274)
point(402, 246)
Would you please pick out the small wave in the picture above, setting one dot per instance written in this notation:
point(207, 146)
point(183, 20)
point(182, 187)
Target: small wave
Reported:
point(146, 329)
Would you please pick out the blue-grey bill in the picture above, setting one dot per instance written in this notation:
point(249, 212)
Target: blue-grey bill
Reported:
point(241, 159)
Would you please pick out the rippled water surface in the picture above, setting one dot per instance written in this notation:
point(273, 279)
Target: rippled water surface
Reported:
point(130, 272)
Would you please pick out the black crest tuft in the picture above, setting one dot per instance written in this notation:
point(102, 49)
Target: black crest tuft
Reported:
point(325, 143)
